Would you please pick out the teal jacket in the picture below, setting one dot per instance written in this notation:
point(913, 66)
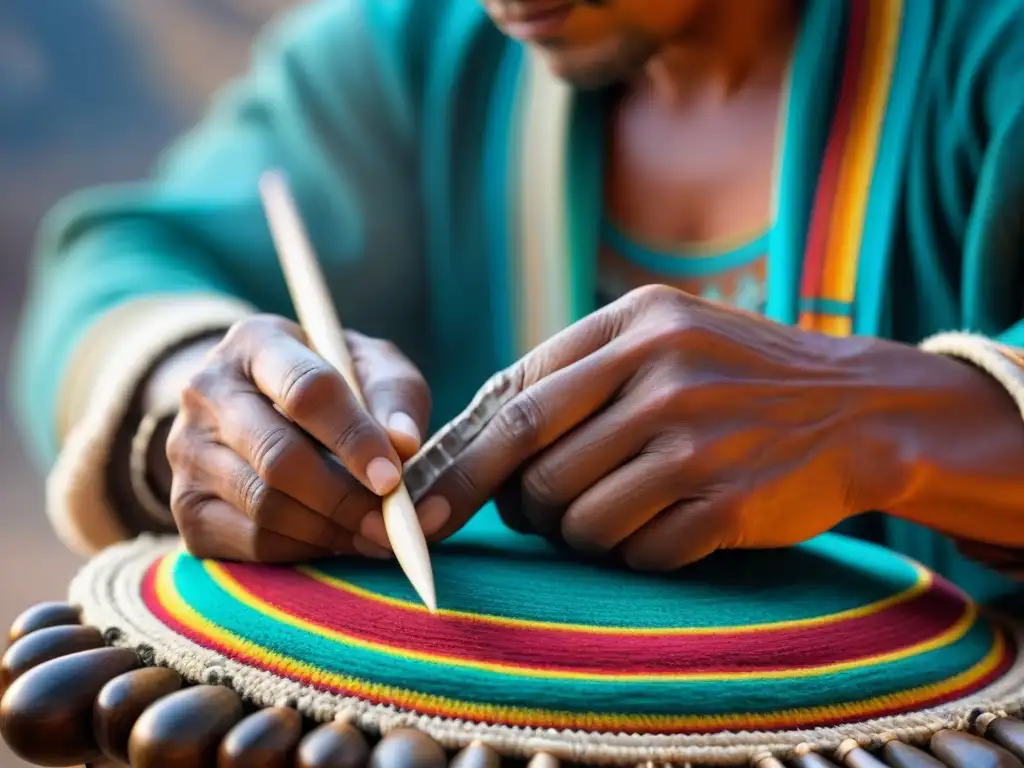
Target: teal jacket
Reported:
point(433, 158)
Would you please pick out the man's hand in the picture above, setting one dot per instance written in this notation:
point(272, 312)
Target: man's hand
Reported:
point(666, 427)
point(273, 457)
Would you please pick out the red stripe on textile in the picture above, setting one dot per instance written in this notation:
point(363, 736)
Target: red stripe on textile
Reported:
point(891, 629)
point(466, 711)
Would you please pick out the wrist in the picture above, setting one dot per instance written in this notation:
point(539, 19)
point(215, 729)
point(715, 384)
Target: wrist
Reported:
point(140, 475)
point(938, 442)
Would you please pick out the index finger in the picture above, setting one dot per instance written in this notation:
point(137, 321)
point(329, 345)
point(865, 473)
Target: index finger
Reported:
point(314, 395)
point(526, 424)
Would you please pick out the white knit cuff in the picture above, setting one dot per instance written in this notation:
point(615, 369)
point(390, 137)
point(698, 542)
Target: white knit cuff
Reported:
point(77, 501)
point(1002, 363)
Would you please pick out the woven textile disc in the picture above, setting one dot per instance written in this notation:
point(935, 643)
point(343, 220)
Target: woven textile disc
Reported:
point(833, 637)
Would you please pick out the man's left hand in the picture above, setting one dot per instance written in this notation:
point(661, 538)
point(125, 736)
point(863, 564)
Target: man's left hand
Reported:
point(666, 427)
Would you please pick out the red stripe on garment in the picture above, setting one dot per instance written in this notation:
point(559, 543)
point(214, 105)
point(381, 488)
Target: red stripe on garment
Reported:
point(821, 212)
point(890, 629)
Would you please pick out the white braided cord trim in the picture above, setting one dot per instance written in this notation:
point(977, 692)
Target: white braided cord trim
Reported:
point(983, 353)
point(107, 589)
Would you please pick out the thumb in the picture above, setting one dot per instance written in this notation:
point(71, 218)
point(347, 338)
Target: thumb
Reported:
point(396, 393)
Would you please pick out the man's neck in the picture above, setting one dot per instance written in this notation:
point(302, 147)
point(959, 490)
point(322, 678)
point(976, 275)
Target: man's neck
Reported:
point(735, 44)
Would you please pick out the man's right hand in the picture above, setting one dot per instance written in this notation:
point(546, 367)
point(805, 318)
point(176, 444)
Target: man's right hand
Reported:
point(275, 460)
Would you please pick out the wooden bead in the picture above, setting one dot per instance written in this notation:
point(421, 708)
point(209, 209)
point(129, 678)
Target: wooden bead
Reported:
point(46, 714)
point(811, 760)
point(122, 701)
point(476, 755)
point(41, 616)
point(962, 750)
point(861, 758)
point(1008, 732)
point(334, 745)
point(184, 729)
point(900, 755)
point(408, 748)
point(42, 646)
point(265, 739)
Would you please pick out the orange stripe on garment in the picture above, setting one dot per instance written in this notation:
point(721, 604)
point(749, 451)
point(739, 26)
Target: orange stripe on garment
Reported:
point(848, 215)
point(848, 211)
point(171, 609)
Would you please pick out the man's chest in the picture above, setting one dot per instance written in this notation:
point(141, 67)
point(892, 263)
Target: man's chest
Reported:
point(689, 196)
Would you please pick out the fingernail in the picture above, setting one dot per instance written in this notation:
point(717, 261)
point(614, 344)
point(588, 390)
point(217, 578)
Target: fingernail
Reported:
point(434, 513)
point(367, 548)
point(383, 476)
point(403, 422)
point(372, 528)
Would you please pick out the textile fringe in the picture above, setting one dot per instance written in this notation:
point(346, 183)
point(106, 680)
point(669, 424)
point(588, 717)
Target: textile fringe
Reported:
point(107, 589)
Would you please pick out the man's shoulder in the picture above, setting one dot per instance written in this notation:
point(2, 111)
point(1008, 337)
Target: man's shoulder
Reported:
point(402, 26)
point(408, 42)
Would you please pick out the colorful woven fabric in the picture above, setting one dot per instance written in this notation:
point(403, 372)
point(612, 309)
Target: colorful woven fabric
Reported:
point(833, 631)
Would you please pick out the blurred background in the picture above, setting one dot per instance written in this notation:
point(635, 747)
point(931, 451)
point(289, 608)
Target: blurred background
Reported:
point(90, 92)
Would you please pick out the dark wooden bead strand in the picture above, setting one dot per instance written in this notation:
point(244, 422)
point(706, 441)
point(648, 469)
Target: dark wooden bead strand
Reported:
point(122, 701)
point(44, 645)
point(962, 750)
point(46, 714)
point(334, 745)
point(185, 729)
point(811, 760)
point(852, 755)
point(900, 755)
point(1007, 732)
point(265, 739)
point(408, 748)
point(41, 616)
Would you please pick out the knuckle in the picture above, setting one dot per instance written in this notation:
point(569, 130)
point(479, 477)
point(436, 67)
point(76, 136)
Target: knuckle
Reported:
point(461, 482)
point(670, 329)
point(353, 432)
point(540, 483)
point(186, 508)
point(179, 445)
point(666, 395)
point(270, 453)
point(200, 388)
point(253, 328)
point(252, 494)
point(653, 294)
point(521, 421)
point(186, 498)
point(308, 386)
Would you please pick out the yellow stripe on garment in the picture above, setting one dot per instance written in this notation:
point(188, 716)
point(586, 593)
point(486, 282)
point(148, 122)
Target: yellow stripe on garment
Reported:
point(854, 185)
point(239, 593)
point(263, 658)
point(923, 582)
